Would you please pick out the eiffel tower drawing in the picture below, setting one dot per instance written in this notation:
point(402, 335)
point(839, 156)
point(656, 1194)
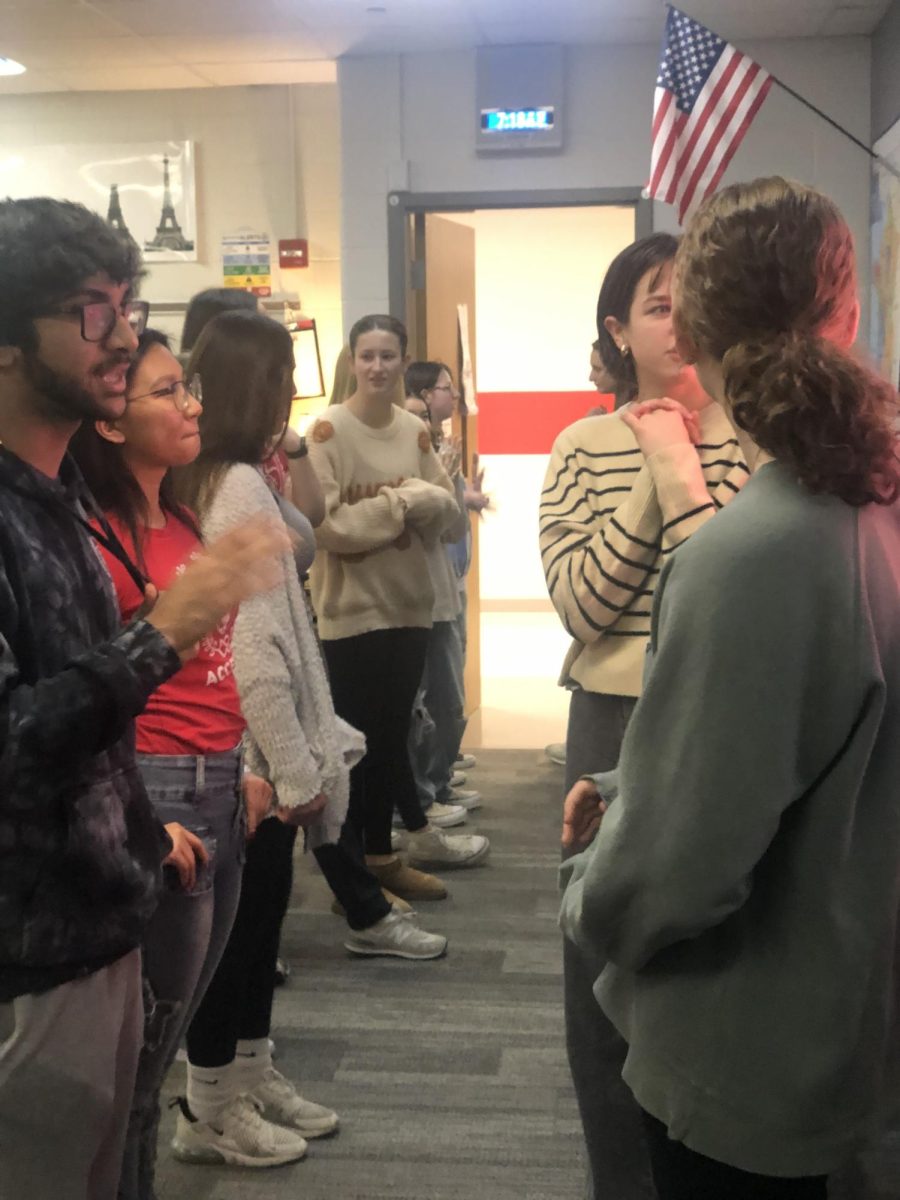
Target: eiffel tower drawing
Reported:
point(168, 233)
point(114, 215)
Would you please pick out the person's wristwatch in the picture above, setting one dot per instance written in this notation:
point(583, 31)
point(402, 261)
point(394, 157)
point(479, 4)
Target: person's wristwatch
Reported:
point(301, 451)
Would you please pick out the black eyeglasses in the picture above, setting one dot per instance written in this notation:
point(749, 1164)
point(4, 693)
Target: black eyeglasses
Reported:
point(99, 317)
point(179, 392)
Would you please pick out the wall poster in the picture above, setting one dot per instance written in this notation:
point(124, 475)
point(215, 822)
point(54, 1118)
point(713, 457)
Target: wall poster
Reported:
point(146, 188)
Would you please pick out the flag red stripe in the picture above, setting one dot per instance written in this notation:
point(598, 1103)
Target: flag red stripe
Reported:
point(739, 136)
point(715, 138)
point(659, 167)
point(661, 109)
point(701, 119)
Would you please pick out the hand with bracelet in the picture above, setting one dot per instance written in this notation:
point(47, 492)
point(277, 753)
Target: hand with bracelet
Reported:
point(306, 491)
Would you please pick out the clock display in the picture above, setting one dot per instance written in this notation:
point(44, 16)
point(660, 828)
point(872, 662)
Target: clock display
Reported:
point(516, 120)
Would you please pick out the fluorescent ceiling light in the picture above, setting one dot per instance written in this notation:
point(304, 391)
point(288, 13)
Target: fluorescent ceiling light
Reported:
point(9, 66)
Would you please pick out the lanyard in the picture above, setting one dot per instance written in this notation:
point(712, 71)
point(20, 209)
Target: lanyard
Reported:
point(104, 536)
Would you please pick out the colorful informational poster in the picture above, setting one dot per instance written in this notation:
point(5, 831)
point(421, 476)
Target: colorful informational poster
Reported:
point(247, 262)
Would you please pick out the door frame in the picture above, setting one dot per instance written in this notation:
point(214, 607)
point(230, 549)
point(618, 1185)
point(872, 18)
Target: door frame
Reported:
point(401, 205)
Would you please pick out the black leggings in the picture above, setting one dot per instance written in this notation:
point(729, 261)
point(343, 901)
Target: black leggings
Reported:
point(374, 680)
point(682, 1174)
point(238, 1001)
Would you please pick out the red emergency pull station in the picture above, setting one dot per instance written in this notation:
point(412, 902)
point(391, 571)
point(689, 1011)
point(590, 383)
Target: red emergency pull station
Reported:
point(293, 252)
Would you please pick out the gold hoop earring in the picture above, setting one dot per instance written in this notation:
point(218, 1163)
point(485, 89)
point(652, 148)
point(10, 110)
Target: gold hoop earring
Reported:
point(624, 350)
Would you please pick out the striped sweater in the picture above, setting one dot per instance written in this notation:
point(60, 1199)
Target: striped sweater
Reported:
point(608, 520)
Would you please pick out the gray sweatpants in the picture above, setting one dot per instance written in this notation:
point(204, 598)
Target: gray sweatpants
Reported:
point(68, 1059)
point(618, 1166)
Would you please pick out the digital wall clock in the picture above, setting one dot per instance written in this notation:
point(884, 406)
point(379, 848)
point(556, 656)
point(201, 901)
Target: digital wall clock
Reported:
point(517, 120)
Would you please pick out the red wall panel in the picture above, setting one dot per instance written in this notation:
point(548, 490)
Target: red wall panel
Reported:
point(529, 422)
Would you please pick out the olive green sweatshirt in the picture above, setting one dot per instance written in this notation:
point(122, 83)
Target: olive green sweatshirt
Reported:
point(744, 887)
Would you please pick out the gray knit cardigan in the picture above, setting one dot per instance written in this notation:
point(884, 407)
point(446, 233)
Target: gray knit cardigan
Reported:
point(294, 738)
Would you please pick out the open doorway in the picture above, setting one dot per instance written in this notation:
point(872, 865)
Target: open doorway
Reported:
point(529, 274)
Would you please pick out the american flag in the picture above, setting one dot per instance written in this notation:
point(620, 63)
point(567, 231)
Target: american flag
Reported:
point(707, 94)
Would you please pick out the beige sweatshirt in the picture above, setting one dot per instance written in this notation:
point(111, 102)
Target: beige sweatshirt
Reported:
point(609, 518)
point(387, 499)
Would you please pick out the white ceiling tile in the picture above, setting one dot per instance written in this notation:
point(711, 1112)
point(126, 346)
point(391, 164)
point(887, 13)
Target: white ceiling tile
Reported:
point(123, 79)
point(235, 74)
point(156, 43)
point(31, 81)
point(52, 54)
point(259, 48)
point(57, 18)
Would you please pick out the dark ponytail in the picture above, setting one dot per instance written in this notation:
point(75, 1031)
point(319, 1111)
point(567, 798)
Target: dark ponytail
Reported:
point(816, 409)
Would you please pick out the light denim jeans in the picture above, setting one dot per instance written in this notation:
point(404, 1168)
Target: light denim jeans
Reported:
point(439, 721)
point(186, 935)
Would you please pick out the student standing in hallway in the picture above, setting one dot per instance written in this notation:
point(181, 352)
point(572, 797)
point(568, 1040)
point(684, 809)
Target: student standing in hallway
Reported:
point(80, 848)
point(620, 496)
point(387, 498)
point(742, 893)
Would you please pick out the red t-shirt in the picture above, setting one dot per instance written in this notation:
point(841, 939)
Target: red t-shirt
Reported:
point(197, 711)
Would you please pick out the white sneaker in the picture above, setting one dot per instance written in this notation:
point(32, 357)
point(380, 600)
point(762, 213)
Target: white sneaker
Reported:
point(465, 762)
point(457, 779)
point(465, 799)
point(556, 752)
point(280, 1102)
point(436, 848)
point(398, 839)
point(242, 1139)
point(398, 935)
point(446, 816)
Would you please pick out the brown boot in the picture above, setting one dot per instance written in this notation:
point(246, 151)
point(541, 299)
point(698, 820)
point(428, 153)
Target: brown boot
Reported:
point(338, 909)
point(407, 881)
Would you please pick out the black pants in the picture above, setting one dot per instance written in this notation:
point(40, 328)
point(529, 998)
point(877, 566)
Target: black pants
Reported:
point(238, 1001)
point(353, 884)
point(682, 1174)
point(374, 680)
point(618, 1167)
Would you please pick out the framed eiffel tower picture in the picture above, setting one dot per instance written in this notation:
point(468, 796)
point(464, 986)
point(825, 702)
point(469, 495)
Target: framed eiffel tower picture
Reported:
point(146, 189)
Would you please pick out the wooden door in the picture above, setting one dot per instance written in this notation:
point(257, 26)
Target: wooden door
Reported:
point(445, 272)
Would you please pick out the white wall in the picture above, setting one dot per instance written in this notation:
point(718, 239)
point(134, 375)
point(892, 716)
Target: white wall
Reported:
point(413, 117)
point(537, 273)
point(259, 166)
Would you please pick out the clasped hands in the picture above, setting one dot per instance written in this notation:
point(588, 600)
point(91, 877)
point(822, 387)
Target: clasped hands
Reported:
point(659, 424)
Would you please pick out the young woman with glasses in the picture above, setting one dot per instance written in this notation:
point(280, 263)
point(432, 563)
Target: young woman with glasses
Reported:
point(189, 752)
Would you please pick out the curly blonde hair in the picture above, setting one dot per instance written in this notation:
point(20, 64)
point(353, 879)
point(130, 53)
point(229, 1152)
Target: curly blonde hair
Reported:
point(766, 285)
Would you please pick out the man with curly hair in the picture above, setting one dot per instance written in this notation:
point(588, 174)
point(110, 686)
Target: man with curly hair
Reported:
point(80, 849)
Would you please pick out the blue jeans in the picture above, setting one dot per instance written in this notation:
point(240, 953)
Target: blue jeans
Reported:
point(439, 720)
point(187, 933)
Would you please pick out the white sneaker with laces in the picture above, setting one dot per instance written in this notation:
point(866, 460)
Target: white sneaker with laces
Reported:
point(465, 799)
point(446, 816)
point(465, 762)
point(397, 935)
point(458, 779)
point(281, 1103)
point(436, 848)
point(241, 1138)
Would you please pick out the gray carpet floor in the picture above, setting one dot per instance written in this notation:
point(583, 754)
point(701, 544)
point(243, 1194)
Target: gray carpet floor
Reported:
point(450, 1076)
